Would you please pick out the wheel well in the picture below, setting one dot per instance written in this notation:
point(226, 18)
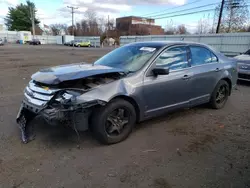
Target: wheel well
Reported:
point(133, 102)
point(229, 83)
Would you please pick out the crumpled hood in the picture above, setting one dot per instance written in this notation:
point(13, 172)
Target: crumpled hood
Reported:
point(58, 74)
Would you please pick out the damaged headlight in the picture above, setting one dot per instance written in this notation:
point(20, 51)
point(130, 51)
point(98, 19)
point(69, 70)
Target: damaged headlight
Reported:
point(67, 97)
point(71, 99)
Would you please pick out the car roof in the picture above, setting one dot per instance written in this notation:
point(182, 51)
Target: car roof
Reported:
point(167, 43)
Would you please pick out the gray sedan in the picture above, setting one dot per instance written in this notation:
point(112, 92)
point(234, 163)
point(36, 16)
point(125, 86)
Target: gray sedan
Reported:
point(243, 62)
point(133, 83)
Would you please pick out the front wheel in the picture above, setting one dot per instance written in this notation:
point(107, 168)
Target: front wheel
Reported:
point(220, 95)
point(114, 122)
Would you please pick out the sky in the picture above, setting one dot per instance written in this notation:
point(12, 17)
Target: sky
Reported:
point(56, 11)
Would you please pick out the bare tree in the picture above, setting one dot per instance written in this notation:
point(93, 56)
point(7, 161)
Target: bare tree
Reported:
point(235, 16)
point(181, 29)
point(91, 25)
point(57, 29)
point(110, 24)
point(102, 24)
point(84, 27)
point(78, 29)
point(170, 29)
point(204, 25)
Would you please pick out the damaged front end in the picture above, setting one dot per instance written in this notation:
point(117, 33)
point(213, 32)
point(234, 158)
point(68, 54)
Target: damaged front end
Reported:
point(59, 104)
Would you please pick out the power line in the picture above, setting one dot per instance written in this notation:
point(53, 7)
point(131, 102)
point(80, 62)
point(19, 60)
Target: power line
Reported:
point(172, 8)
point(198, 7)
point(72, 12)
point(189, 13)
point(156, 14)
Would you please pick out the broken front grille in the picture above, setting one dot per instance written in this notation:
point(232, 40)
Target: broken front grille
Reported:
point(38, 95)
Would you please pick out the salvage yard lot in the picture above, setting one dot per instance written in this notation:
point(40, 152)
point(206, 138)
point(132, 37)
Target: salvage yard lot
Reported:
point(197, 147)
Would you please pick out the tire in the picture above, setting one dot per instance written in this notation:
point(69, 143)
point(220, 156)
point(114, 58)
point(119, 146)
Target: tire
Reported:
point(78, 45)
point(100, 123)
point(89, 45)
point(214, 102)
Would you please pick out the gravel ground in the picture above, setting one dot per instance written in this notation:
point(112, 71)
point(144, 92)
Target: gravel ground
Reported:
point(195, 148)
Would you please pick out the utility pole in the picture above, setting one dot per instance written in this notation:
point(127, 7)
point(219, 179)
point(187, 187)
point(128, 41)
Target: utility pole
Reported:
point(72, 12)
point(32, 18)
point(107, 36)
point(220, 15)
point(150, 28)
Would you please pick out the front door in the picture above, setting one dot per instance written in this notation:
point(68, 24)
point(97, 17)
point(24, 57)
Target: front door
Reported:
point(168, 92)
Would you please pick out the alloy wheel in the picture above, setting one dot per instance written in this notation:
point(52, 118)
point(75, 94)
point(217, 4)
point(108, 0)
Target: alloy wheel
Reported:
point(116, 122)
point(221, 94)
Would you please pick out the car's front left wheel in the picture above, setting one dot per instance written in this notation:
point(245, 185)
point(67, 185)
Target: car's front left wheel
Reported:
point(114, 122)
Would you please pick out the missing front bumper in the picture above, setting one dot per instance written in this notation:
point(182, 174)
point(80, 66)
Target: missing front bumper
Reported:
point(78, 119)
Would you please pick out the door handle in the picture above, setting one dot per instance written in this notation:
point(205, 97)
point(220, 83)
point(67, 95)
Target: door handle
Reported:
point(217, 69)
point(186, 77)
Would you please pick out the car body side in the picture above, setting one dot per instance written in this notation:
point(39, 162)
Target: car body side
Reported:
point(133, 87)
point(82, 43)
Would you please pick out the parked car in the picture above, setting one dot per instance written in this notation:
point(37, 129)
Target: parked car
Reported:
point(81, 43)
point(35, 42)
point(130, 84)
point(1, 42)
point(70, 43)
point(244, 66)
point(22, 42)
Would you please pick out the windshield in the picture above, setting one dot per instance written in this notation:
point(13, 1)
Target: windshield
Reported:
point(129, 58)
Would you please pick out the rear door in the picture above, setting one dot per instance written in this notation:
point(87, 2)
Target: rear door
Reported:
point(206, 73)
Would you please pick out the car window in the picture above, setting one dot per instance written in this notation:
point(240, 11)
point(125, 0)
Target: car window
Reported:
point(247, 52)
point(175, 58)
point(201, 55)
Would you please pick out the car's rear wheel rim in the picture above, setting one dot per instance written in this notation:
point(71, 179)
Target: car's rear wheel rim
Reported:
point(221, 94)
point(117, 121)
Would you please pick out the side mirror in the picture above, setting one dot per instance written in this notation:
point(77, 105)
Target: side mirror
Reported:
point(161, 71)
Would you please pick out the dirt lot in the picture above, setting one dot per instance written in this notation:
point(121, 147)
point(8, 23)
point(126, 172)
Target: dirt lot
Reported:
point(194, 148)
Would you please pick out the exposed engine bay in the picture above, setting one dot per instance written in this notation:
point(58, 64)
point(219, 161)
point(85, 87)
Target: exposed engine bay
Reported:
point(58, 104)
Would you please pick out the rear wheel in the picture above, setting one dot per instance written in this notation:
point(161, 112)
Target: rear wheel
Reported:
point(114, 122)
point(89, 45)
point(79, 45)
point(220, 95)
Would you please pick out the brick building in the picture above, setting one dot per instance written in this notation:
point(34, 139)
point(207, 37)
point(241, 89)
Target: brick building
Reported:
point(133, 25)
